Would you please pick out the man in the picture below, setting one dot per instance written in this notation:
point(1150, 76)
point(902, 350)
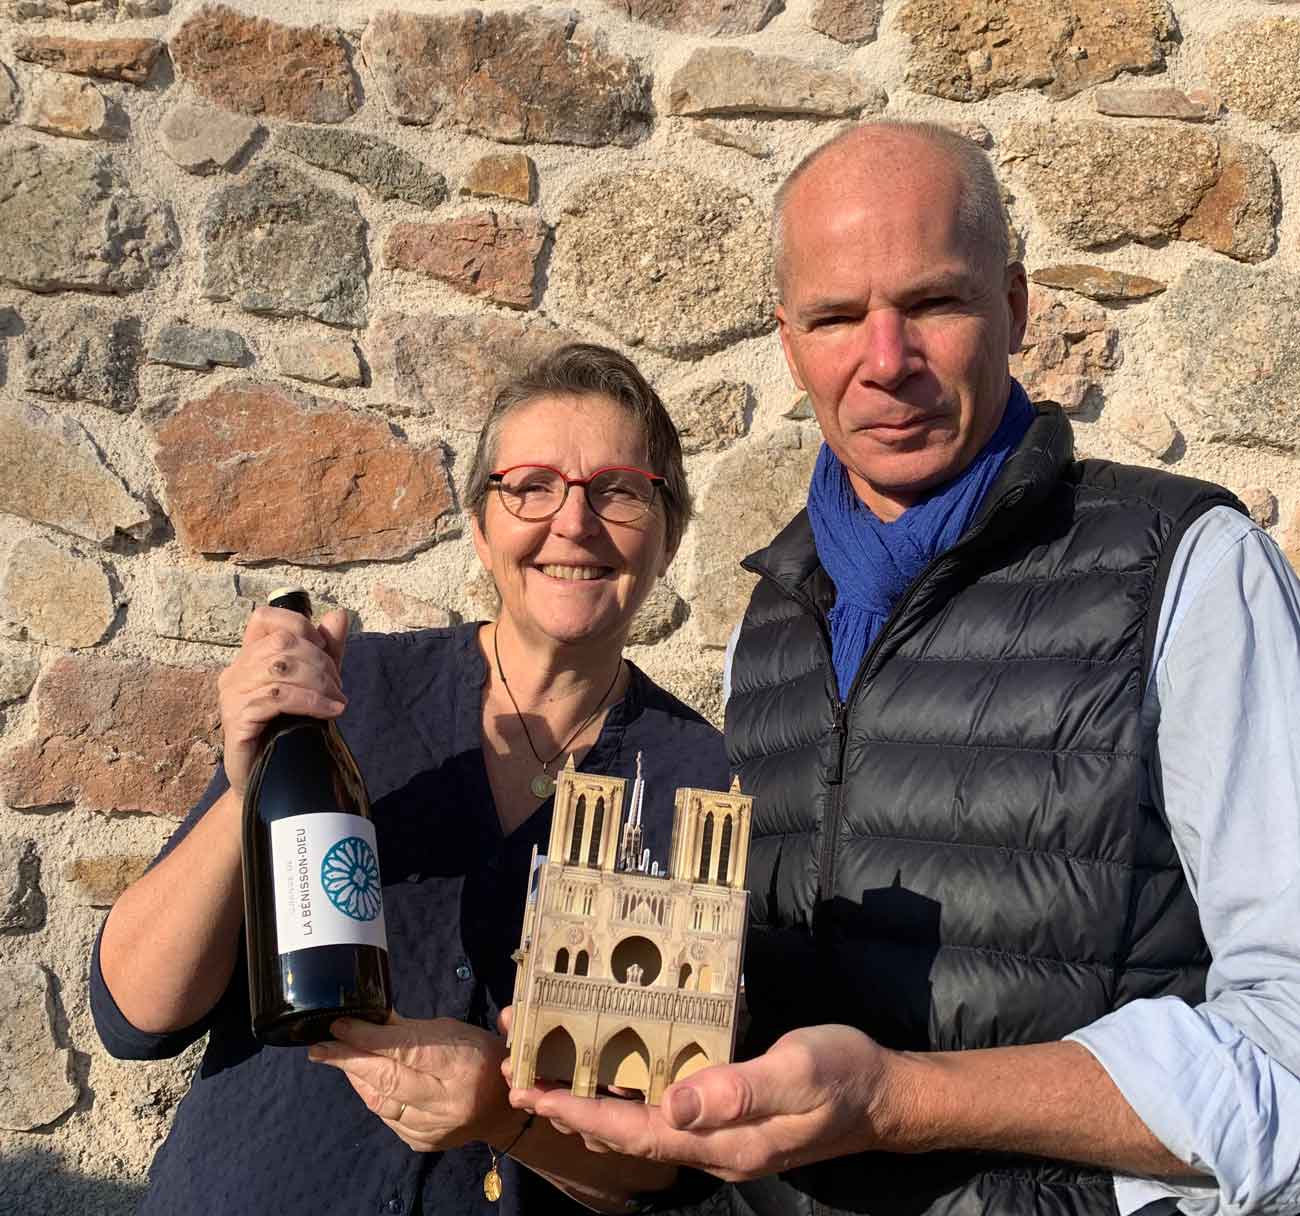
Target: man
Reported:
point(1025, 908)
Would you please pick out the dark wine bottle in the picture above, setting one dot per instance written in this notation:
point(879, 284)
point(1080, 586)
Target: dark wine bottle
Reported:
point(313, 913)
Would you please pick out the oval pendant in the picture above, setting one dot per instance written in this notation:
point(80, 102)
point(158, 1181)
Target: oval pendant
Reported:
point(543, 785)
point(492, 1184)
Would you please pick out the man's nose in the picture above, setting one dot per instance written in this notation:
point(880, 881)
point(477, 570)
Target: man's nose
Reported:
point(887, 351)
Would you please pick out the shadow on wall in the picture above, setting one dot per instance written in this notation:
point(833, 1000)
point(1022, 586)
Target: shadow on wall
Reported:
point(39, 1181)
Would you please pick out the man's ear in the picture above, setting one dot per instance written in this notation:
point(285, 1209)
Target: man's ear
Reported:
point(1017, 290)
point(783, 328)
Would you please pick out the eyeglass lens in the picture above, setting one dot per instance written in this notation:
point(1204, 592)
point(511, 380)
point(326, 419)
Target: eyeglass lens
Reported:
point(617, 495)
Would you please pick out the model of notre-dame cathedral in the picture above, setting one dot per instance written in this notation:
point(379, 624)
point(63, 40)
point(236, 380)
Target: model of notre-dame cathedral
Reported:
point(628, 976)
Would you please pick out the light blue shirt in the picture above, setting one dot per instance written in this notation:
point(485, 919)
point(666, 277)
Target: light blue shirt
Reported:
point(1219, 1083)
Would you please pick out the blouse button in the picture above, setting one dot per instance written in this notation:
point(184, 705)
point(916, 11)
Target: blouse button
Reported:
point(463, 971)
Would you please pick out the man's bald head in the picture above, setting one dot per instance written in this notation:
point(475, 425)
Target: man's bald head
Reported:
point(863, 153)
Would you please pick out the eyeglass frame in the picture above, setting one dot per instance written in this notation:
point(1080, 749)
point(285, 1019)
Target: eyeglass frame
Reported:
point(655, 480)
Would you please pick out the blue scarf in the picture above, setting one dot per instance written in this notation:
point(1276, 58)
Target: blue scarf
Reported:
point(871, 562)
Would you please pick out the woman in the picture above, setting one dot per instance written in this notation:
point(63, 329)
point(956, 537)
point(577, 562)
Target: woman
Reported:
point(578, 500)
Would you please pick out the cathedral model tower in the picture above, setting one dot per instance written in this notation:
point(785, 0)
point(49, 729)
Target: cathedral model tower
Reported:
point(626, 976)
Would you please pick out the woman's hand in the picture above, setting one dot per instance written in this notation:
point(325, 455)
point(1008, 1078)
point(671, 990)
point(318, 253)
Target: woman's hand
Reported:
point(436, 1082)
point(285, 665)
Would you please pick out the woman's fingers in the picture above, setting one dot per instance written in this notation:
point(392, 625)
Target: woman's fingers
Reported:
point(285, 666)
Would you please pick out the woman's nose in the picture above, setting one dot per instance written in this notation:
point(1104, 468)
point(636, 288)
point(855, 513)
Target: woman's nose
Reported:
point(575, 518)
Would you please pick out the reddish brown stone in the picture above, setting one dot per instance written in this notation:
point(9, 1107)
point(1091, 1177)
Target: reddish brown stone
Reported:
point(130, 59)
point(1237, 214)
point(1069, 346)
point(260, 67)
point(1097, 283)
point(480, 255)
point(258, 473)
point(117, 736)
point(513, 77)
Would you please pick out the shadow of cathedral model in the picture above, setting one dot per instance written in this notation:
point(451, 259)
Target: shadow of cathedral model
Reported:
point(628, 976)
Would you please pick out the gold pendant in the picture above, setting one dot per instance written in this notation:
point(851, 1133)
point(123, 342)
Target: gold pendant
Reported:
point(543, 785)
point(492, 1184)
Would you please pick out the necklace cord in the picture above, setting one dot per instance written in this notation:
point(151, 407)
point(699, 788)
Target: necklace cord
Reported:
point(532, 747)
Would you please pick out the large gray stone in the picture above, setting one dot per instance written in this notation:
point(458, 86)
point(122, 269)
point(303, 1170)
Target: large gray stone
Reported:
point(662, 614)
point(382, 168)
point(71, 225)
point(666, 259)
point(57, 597)
point(1096, 183)
point(854, 22)
point(710, 415)
point(732, 80)
point(452, 367)
point(1253, 64)
point(52, 472)
point(22, 903)
point(275, 243)
point(199, 348)
point(199, 607)
point(331, 361)
point(84, 354)
point(753, 492)
point(702, 16)
point(36, 1086)
point(967, 50)
point(1230, 350)
point(18, 672)
point(524, 77)
point(203, 139)
point(9, 95)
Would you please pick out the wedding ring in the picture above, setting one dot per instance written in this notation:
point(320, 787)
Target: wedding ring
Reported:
point(401, 1110)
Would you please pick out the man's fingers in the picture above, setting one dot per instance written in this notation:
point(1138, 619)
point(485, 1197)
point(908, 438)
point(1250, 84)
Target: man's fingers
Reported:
point(727, 1094)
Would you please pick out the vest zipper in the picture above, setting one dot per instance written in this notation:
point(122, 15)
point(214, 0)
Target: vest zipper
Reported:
point(843, 705)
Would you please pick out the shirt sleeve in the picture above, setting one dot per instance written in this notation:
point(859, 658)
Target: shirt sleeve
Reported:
point(1217, 1084)
point(121, 1038)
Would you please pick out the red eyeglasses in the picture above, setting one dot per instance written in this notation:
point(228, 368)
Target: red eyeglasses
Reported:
point(620, 494)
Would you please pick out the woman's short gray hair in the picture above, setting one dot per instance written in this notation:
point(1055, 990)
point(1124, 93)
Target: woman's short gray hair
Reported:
point(584, 369)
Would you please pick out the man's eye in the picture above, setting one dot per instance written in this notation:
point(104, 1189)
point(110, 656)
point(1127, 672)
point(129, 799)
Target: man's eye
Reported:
point(934, 304)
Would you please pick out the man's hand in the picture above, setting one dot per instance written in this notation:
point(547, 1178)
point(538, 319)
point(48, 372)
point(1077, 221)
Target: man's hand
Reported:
point(435, 1082)
point(816, 1093)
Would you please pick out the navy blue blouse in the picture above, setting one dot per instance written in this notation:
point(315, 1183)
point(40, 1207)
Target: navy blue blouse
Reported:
point(262, 1130)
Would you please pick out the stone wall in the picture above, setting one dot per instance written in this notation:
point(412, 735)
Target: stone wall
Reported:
point(258, 278)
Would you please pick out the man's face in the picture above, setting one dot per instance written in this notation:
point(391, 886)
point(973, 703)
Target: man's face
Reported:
point(898, 332)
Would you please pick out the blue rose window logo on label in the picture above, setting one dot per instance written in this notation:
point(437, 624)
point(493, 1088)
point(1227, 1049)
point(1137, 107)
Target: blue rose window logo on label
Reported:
point(350, 876)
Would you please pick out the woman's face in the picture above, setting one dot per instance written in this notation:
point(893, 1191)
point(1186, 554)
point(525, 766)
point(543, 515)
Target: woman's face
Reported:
point(575, 577)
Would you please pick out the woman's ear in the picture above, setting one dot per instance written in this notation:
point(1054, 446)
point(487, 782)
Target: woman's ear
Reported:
point(480, 542)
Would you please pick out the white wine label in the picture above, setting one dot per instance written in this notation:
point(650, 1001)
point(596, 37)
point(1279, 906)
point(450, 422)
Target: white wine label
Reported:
point(326, 882)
